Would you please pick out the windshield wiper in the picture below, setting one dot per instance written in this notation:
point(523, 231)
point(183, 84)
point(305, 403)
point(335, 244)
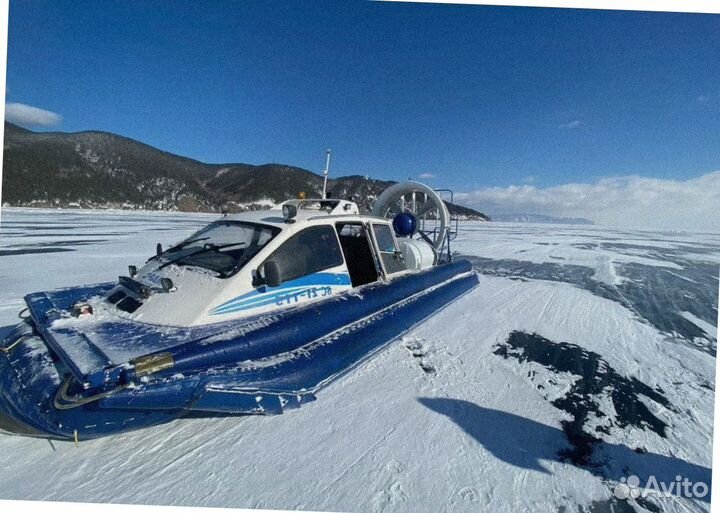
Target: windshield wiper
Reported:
point(207, 248)
point(210, 246)
point(185, 243)
point(177, 247)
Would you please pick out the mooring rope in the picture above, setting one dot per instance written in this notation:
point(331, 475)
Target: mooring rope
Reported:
point(15, 344)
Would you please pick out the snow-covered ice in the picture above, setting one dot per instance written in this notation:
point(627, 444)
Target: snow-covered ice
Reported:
point(585, 355)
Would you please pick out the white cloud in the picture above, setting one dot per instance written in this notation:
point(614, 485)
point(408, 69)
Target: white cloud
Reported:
point(30, 116)
point(572, 124)
point(630, 201)
point(427, 176)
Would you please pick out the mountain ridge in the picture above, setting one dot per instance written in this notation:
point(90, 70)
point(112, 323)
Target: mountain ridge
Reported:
point(99, 169)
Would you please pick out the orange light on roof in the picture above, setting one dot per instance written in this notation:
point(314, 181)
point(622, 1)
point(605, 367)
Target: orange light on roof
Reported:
point(301, 195)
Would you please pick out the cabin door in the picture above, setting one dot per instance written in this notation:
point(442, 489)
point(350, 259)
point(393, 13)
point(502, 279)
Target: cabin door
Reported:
point(358, 251)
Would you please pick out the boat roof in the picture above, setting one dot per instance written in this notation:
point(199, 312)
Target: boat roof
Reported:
point(307, 210)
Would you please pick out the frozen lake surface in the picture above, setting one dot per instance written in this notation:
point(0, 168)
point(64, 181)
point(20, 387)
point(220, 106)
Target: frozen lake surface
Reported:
point(585, 356)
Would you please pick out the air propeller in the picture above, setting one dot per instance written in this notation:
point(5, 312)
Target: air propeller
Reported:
point(417, 211)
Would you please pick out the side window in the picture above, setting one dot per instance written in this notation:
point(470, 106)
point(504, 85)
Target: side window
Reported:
point(392, 259)
point(350, 230)
point(309, 251)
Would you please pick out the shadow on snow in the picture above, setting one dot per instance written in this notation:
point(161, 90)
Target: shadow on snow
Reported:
point(525, 443)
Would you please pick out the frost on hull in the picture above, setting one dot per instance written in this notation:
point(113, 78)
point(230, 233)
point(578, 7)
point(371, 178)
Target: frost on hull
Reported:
point(275, 366)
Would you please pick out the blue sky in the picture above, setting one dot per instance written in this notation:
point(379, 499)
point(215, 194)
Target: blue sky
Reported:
point(478, 96)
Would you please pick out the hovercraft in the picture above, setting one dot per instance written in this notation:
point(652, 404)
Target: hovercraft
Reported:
point(253, 314)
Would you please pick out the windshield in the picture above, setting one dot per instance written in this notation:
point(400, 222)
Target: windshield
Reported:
point(223, 246)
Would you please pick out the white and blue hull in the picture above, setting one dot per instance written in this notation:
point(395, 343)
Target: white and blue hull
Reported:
point(123, 374)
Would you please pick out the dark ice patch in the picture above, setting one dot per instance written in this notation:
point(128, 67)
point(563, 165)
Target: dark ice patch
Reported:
point(595, 379)
point(46, 247)
point(93, 234)
point(522, 269)
point(657, 295)
point(39, 226)
point(77, 242)
point(647, 504)
point(30, 251)
point(660, 252)
point(585, 245)
point(612, 505)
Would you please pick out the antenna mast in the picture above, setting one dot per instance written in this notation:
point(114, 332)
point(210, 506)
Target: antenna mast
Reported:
point(325, 173)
